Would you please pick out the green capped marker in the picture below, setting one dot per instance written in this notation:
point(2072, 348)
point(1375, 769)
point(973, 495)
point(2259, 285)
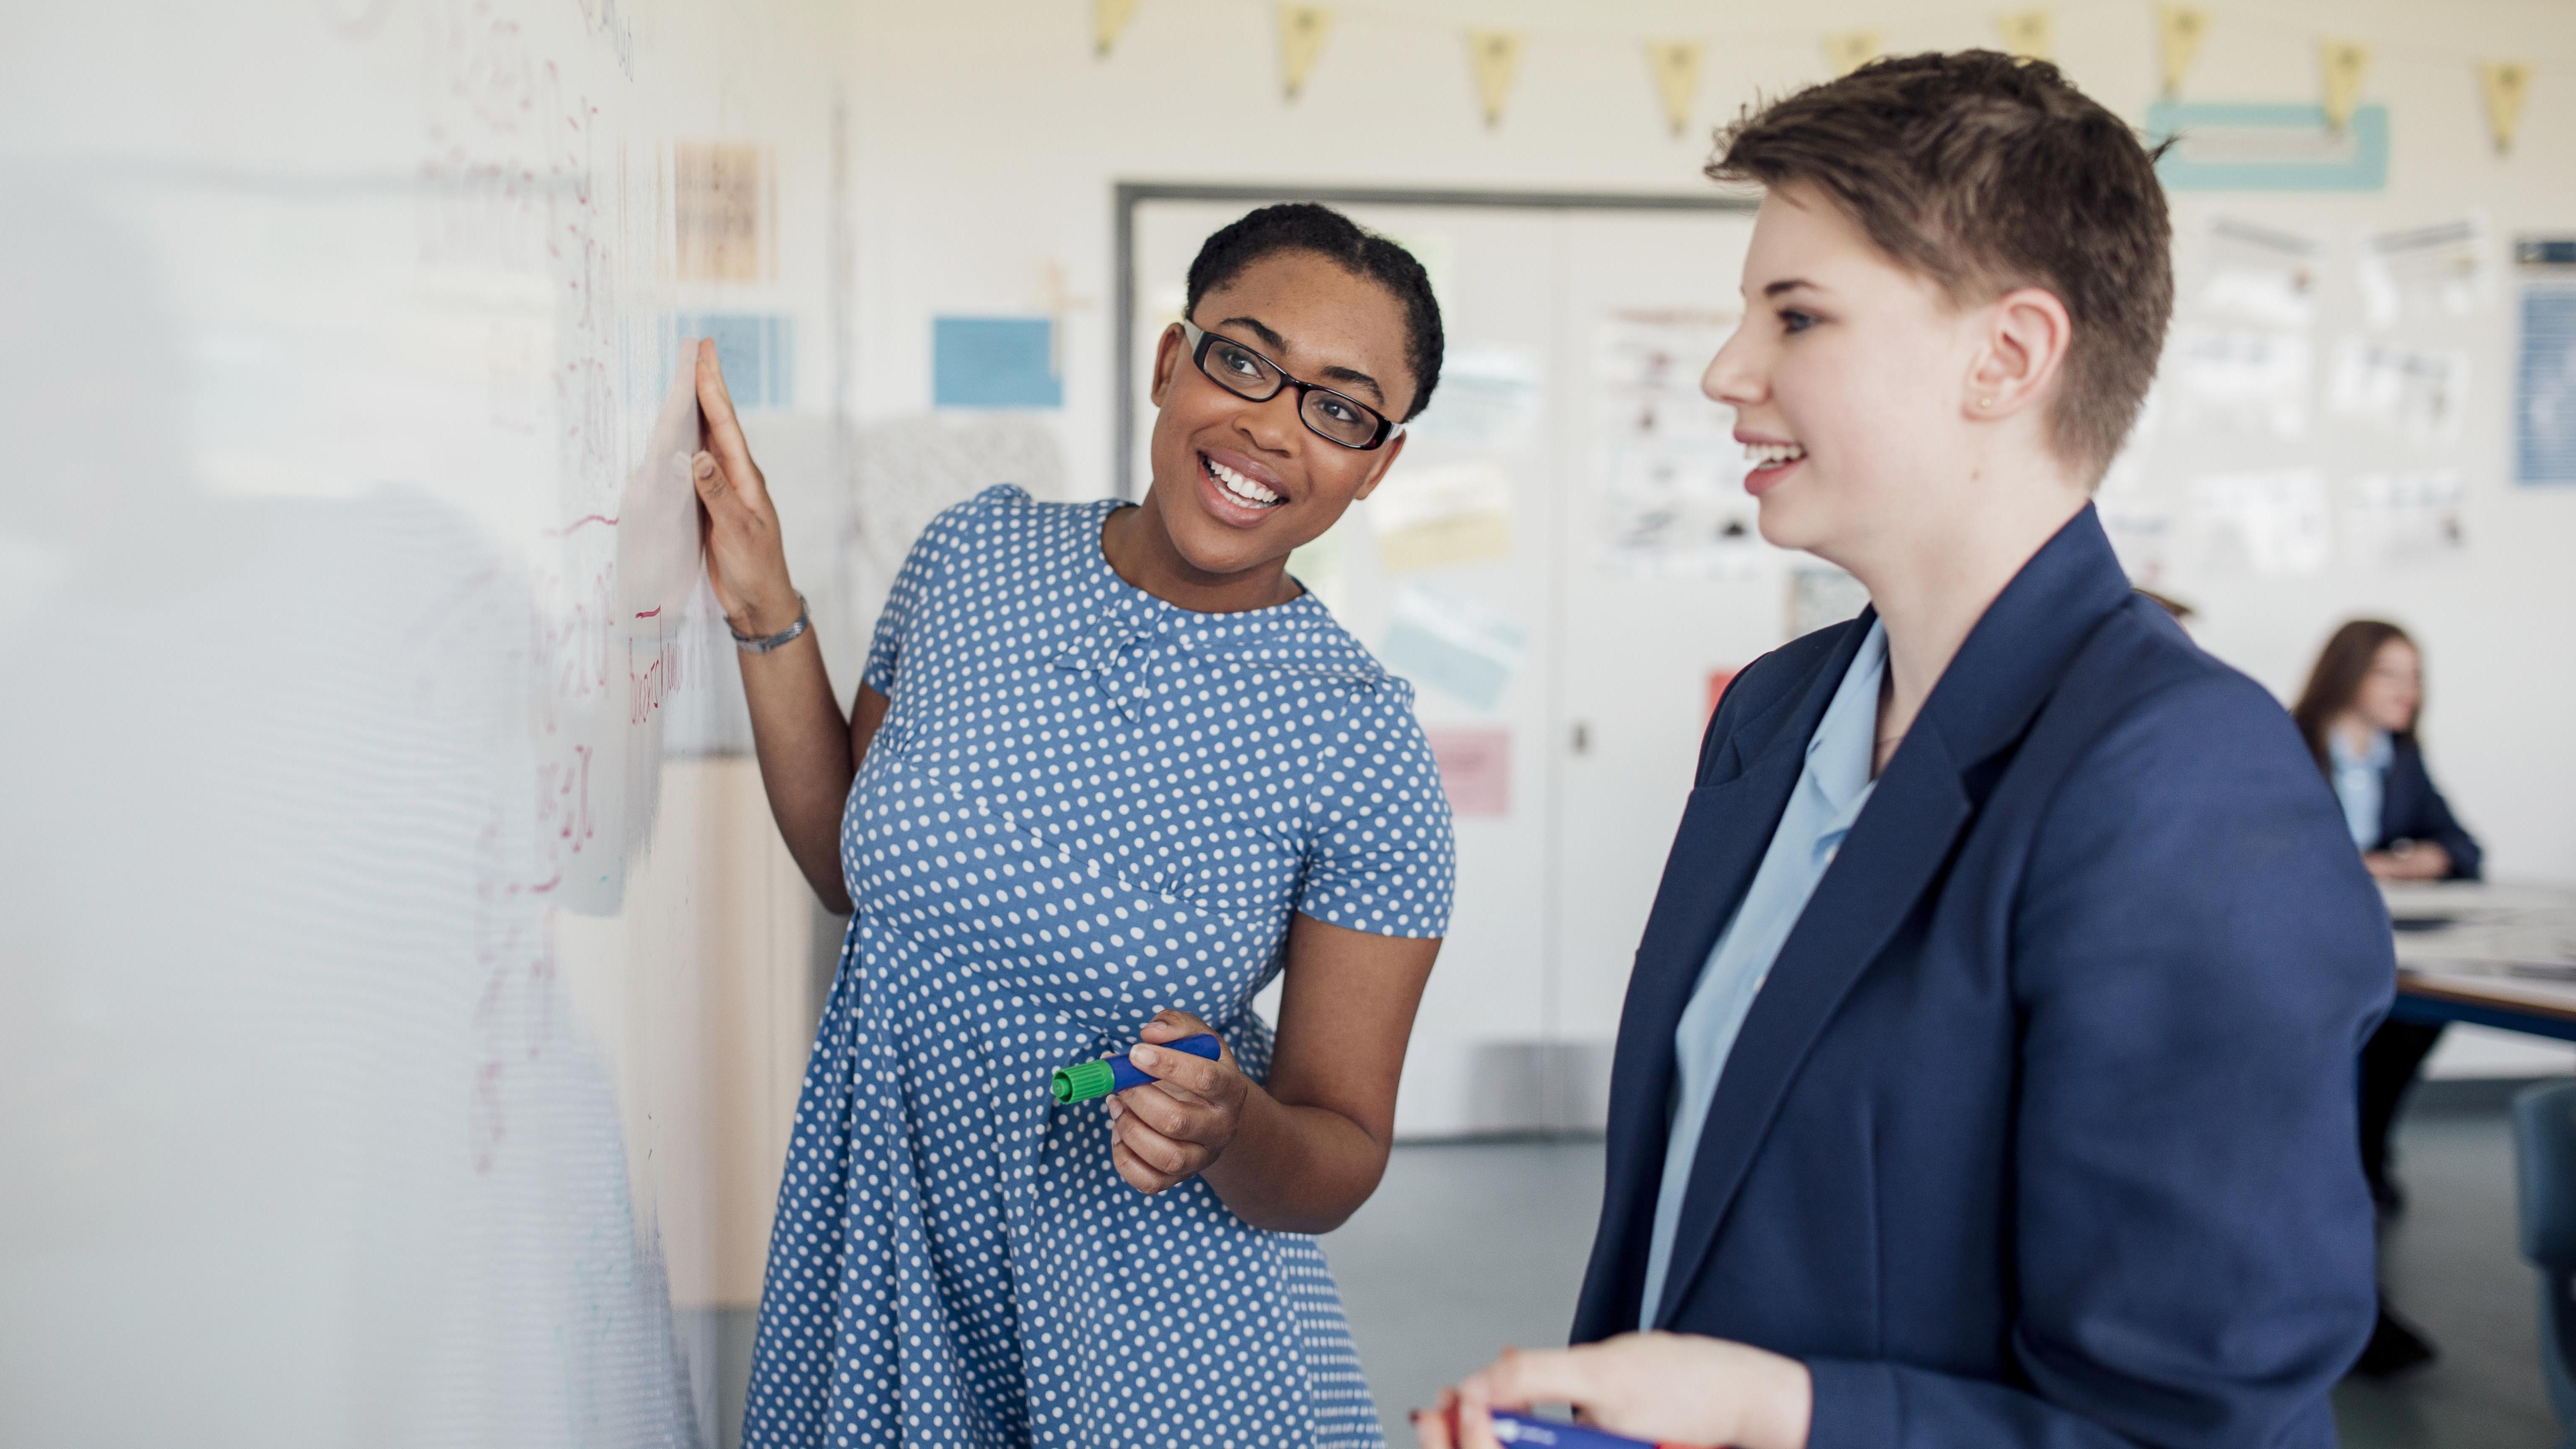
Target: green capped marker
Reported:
point(1085, 1080)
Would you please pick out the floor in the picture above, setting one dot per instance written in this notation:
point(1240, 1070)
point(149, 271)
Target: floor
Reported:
point(1468, 1247)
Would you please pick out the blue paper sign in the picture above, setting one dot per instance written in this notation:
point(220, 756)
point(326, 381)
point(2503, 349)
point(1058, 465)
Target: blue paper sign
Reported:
point(757, 353)
point(2251, 146)
point(994, 362)
point(2544, 393)
point(1456, 647)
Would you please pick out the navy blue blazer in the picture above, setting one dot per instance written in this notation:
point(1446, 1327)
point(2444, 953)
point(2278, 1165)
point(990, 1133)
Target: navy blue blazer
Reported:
point(2411, 809)
point(2041, 1130)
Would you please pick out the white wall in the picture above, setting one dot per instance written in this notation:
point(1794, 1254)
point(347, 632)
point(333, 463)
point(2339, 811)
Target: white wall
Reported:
point(989, 137)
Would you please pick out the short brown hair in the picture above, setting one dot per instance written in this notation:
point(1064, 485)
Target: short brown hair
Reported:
point(1985, 173)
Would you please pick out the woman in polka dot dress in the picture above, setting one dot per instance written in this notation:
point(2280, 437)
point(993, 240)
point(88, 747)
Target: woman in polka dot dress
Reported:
point(1110, 770)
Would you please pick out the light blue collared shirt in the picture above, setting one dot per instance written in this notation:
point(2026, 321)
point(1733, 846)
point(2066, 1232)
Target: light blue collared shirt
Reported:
point(1830, 792)
point(2361, 783)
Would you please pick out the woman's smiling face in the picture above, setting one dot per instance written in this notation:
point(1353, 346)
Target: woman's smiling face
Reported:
point(1238, 483)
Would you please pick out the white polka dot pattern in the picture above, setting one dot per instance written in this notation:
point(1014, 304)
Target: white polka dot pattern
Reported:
point(1085, 805)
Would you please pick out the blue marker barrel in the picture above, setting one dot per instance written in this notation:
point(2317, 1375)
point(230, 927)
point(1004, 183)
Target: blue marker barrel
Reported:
point(1514, 1428)
point(1085, 1080)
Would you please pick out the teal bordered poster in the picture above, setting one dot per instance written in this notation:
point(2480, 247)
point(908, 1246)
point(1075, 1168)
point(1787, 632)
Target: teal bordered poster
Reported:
point(2263, 146)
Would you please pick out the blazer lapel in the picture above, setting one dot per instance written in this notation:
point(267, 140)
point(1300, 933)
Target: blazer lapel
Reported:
point(1724, 831)
point(1891, 860)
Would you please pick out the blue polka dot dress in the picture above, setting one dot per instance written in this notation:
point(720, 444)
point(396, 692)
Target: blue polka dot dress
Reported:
point(1085, 805)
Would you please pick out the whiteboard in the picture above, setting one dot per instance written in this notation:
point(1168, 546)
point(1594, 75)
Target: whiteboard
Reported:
point(402, 993)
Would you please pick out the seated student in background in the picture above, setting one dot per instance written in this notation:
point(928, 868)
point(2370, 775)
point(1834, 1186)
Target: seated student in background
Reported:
point(1109, 770)
point(1985, 1076)
point(2358, 714)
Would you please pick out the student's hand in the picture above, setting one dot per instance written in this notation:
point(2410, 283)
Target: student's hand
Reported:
point(2411, 860)
point(746, 563)
point(1670, 1388)
point(1167, 1131)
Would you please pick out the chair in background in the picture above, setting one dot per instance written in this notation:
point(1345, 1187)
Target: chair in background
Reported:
point(2544, 1140)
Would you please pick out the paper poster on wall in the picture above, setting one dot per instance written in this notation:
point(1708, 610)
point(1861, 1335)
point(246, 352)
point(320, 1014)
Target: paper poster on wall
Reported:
point(2259, 274)
point(2238, 379)
point(994, 362)
point(1671, 512)
point(1718, 680)
point(1647, 366)
point(1475, 771)
point(758, 354)
point(1820, 594)
point(724, 206)
point(1667, 471)
point(2426, 272)
point(1463, 650)
point(2410, 393)
point(1448, 513)
point(2544, 391)
point(2273, 523)
point(2402, 518)
point(2265, 146)
point(1488, 397)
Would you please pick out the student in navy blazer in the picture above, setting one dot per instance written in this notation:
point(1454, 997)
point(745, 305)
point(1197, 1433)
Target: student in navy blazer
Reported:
point(2358, 715)
point(2035, 1125)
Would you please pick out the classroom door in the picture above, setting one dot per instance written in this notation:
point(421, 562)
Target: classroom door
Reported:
point(1667, 585)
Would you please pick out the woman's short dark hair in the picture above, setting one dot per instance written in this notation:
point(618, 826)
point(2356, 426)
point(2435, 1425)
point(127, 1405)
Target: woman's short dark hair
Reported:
point(2336, 680)
point(1985, 172)
point(1303, 226)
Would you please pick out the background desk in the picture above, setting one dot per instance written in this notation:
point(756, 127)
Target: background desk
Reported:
point(2497, 955)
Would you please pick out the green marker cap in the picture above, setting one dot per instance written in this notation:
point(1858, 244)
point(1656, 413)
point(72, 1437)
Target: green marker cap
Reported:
point(1082, 1081)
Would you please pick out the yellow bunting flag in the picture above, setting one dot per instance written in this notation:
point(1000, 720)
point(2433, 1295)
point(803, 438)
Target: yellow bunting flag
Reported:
point(2031, 34)
point(2505, 82)
point(1676, 67)
point(1496, 55)
point(2342, 62)
point(1849, 50)
point(2179, 31)
point(1108, 19)
point(1302, 29)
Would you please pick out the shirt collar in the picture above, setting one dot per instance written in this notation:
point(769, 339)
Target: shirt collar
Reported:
point(1840, 751)
point(2375, 757)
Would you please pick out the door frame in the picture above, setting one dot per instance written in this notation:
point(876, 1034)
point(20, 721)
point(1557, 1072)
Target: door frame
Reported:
point(1127, 196)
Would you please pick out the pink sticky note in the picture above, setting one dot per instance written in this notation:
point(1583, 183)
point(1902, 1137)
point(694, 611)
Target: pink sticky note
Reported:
point(1475, 771)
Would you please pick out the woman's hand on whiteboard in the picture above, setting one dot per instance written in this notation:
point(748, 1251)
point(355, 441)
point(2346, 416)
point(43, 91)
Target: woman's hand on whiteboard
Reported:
point(1166, 1132)
point(746, 562)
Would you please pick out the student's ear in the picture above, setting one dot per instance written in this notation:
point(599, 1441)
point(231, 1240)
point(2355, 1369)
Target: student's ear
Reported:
point(1167, 357)
point(2027, 334)
point(1386, 457)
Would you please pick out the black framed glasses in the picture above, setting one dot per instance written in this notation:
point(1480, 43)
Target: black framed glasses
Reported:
point(1255, 378)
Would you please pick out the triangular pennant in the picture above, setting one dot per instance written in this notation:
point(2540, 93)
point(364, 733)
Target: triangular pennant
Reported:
point(2031, 34)
point(2342, 63)
point(1676, 67)
point(1496, 55)
point(1108, 20)
point(2179, 31)
point(1847, 51)
point(1302, 29)
point(2505, 83)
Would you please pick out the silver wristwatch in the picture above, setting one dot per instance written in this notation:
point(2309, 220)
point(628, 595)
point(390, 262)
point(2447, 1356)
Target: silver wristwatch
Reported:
point(749, 645)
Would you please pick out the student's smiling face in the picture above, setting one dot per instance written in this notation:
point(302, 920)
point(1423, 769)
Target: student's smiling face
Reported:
point(1216, 454)
point(1848, 380)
